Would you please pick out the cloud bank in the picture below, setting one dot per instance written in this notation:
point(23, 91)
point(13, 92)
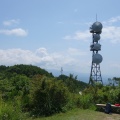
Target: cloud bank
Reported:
point(16, 32)
point(41, 57)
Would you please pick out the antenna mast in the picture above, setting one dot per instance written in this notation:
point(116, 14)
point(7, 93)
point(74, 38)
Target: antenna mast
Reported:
point(95, 73)
point(96, 17)
point(61, 70)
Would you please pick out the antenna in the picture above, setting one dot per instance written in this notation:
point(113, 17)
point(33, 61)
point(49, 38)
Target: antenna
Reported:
point(61, 70)
point(96, 17)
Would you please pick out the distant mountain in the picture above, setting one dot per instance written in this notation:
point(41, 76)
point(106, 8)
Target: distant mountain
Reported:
point(30, 70)
point(27, 70)
point(80, 76)
point(84, 77)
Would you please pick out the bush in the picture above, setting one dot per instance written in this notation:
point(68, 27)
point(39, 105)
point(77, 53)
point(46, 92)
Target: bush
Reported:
point(86, 101)
point(49, 96)
point(73, 102)
point(10, 112)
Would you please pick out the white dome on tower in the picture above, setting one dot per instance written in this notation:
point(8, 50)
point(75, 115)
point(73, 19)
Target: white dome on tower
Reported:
point(97, 58)
point(96, 37)
point(97, 27)
point(97, 46)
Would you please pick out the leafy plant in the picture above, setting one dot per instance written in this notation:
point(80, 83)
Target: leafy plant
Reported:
point(49, 96)
point(9, 111)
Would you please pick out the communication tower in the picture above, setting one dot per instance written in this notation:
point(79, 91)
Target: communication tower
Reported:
point(95, 73)
point(61, 70)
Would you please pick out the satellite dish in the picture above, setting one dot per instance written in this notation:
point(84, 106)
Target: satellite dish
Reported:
point(97, 58)
point(96, 37)
point(97, 27)
point(97, 46)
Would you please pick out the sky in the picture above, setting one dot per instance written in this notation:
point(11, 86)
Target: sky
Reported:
point(55, 33)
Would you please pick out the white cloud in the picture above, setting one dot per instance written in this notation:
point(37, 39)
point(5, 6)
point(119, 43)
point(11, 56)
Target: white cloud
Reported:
point(111, 33)
point(41, 57)
point(111, 20)
point(19, 56)
point(71, 60)
point(11, 22)
point(16, 32)
point(76, 52)
point(13, 31)
point(16, 56)
point(41, 52)
point(114, 19)
point(79, 35)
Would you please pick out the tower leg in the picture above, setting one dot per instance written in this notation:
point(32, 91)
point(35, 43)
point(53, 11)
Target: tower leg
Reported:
point(95, 74)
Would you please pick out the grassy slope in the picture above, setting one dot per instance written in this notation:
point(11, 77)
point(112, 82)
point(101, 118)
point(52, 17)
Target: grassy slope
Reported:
point(78, 114)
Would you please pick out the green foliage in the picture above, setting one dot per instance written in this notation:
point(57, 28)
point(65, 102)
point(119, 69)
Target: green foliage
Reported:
point(116, 81)
point(37, 91)
point(15, 86)
point(72, 83)
point(86, 101)
point(49, 96)
point(104, 94)
point(27, 70)
point(10, 111)
point(40, 93)
point(73, 102)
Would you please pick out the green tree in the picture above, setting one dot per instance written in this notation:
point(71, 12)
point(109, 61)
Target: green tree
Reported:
point(49, 96)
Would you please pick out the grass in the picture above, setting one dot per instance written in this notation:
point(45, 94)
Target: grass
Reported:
point(78, 114)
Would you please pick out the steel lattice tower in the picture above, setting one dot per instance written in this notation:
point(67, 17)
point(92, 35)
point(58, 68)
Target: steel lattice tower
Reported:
point(95, 73)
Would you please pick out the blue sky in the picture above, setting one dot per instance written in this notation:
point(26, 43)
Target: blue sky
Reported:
point(55, 33)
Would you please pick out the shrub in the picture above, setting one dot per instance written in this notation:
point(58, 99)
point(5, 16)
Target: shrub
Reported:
point(86, 101)
point(49, 96)
point(10, 112)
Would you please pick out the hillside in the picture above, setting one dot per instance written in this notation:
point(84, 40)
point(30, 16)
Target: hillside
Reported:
point(30, 71)
point(72, 83)
point(27, 70)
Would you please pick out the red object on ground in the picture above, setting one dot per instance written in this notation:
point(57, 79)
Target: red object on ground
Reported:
point(117, 104)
